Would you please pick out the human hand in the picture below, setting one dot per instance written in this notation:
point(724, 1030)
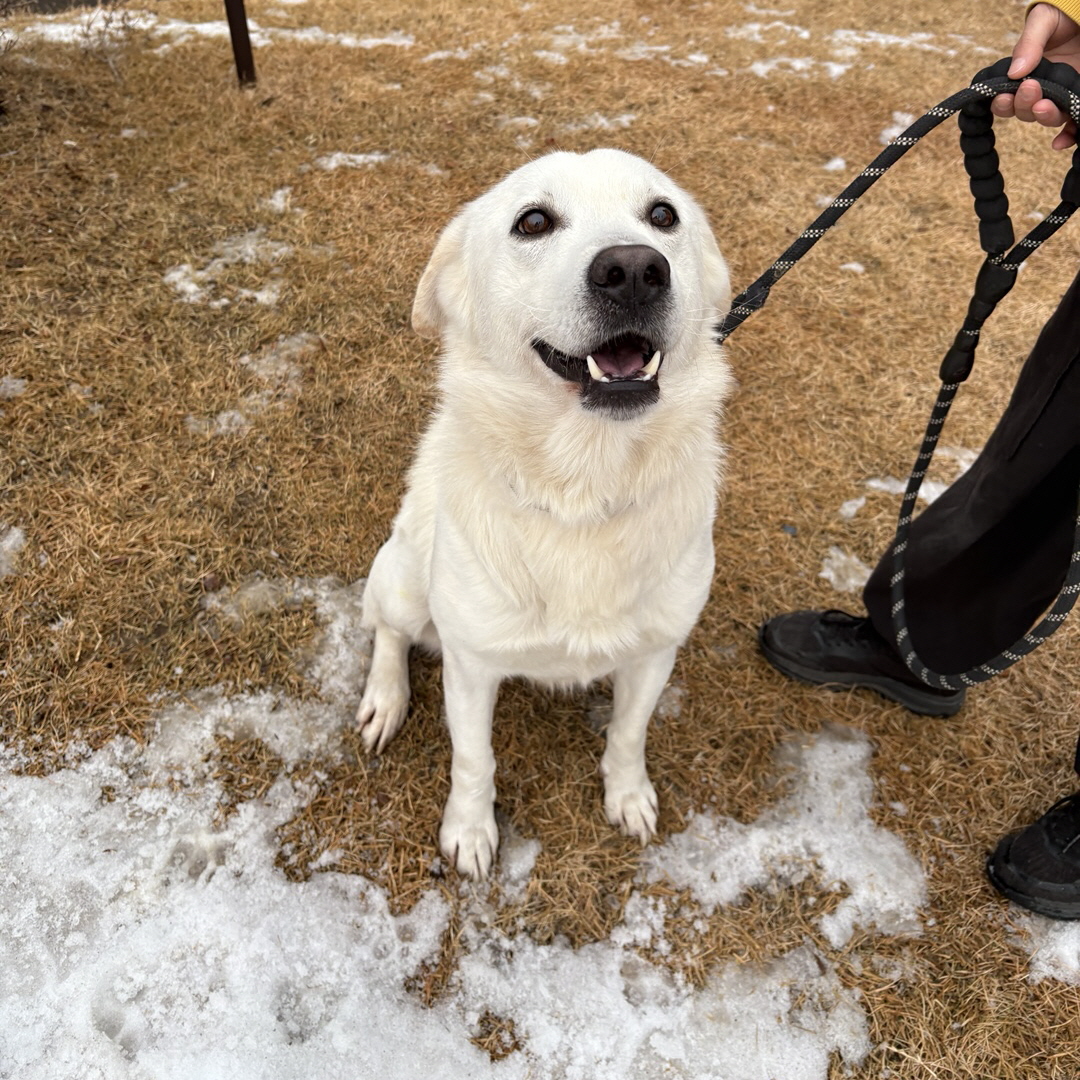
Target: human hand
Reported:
point(1050, 34)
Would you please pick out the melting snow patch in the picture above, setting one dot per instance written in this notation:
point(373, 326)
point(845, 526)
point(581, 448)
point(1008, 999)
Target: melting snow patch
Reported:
point(277, 368)
point(853, 267)
point(901, 122)
point(12, 541)
point(759, 32)
point(597, 122)
point(836, 164)
point(278, 202)
point(11, 387)
point(198, 285)
point(330, 162)
point(1054, 946)
point(824, 824)
point(850, 508)
point(67, 29)
point(141, 938)
point(845, 572)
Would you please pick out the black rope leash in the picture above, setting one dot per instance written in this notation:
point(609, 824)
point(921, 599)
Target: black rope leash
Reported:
point(1061, 84)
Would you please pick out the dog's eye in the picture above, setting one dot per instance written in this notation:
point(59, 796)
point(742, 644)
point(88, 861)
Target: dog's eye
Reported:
point(662, 216)
point(533, 223)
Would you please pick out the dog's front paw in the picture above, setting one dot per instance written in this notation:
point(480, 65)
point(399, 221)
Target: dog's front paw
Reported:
point(632, 808)
point(382, 712)
point(469, 841)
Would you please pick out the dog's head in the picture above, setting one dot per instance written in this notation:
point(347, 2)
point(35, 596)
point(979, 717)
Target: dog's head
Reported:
point(595, 269)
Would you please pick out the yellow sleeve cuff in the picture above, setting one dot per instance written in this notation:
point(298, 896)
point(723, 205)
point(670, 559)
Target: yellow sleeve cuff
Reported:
point(1069, 7)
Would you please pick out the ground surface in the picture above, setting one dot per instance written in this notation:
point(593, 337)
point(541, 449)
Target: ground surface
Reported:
point(210, 396)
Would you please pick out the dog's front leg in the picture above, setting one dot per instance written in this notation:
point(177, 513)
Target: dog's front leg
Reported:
point(629, 797)
point(469, 836)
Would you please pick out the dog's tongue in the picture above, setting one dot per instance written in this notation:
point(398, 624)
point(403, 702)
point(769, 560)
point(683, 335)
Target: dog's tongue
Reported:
point(620, 359)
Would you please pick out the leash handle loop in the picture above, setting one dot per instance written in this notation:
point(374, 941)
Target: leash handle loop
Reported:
point(1060, 83)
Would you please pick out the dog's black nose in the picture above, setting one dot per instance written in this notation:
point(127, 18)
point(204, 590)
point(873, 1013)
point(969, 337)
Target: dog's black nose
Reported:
point(630, 275)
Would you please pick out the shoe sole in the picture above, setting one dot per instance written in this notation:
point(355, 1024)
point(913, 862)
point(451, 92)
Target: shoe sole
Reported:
point(1051, 909)
point(914, 700)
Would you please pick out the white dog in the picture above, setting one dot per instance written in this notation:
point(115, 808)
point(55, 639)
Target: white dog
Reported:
point(558, 521)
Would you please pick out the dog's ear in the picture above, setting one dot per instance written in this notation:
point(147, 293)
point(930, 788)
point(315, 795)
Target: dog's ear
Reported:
point(441, 273)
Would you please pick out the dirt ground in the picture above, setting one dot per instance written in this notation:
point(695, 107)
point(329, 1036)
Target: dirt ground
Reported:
point(147, 461)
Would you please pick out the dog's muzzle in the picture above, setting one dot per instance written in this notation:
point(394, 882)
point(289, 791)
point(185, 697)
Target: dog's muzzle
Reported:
point(627, 286)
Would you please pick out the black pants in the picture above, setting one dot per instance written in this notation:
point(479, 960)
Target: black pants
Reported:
point(989, 556)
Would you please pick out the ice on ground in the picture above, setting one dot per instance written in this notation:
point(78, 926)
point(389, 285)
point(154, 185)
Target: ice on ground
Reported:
point(11, 386)
point(198, 285)
point(76, 29)
point(844, 571)
point(761, 33)
point(277, 369)
point(12, 541)
point(279, 201)
point(851, 507)
point(901, 121)
point(822, 826)
point(339, 160)
point(598, 122)
point(143, 937)
point(141, 940)
point(1053, 945)
point(932, 489)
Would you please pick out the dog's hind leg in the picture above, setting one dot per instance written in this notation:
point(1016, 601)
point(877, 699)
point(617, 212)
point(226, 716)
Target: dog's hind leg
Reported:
point(629, 797)
point(395, 607)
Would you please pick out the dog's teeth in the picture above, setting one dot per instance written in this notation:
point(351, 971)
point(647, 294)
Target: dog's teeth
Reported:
point(595, 372)
point(652, 367)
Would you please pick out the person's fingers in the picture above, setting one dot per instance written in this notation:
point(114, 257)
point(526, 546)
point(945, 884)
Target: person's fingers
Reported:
point(1003, 106)
point(1040, 24)
point(1065, 138)
point(1027, 96)
point(1048, 114)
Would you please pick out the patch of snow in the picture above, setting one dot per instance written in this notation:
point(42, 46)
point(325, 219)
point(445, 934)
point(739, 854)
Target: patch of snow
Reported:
point(277, 368)
point(853, 267)
point(79, 28)
point(799, 65)
point(835, 164)
point(845, 572)
point(11, 386)
point(278, 202)
point(142, 939)
point(823, 825)
point(12, 542)
point(339, 160)
point(850, 508)
point(759, 32)
point(1052, 944)
point(597, 122)
point(197, 285)
point(901, 121)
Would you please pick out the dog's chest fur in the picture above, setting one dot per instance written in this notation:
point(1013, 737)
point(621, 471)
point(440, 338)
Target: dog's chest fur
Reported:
point(557, 562)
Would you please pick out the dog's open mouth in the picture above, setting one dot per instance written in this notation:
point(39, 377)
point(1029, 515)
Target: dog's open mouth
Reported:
point(619, 376)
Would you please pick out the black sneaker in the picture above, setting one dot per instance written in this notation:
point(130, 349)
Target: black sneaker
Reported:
point(1039, 867)
point(833, 648)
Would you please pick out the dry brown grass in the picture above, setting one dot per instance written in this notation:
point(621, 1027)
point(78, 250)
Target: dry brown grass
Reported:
point(131, 517)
